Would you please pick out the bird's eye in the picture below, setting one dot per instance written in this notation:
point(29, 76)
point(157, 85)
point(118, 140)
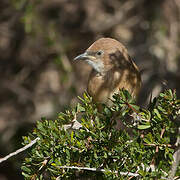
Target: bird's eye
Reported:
point(99, 53)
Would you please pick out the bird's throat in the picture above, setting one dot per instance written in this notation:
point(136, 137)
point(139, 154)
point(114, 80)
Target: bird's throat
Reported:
point(97, 66)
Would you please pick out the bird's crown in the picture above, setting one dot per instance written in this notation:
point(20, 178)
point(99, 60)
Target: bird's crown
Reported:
point(106, 44)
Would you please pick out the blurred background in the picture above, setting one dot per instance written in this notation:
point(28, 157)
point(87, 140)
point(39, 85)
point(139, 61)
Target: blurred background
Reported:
point(40, 38)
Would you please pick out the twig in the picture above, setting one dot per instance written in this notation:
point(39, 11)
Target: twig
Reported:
point(162, 145)
point(19, 150)
point(74, 125)
point(152, 165)
point(99, 170)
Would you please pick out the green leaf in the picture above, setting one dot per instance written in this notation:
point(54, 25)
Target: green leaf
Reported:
point(135, 107)
point(95, 155)
point(72, 136)
point(26, 169)
point(157, 113)
point(26, 175)
point(80, 108)
point(147, 141)
point(141, 127)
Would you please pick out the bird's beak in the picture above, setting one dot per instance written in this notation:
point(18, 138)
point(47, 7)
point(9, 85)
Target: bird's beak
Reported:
point(84, 56)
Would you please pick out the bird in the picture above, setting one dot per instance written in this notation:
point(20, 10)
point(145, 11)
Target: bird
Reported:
point(112, 70)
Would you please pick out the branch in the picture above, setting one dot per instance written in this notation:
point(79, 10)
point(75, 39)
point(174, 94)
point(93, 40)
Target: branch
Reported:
point(19, 150)
point(74, 125)
point(99, 170)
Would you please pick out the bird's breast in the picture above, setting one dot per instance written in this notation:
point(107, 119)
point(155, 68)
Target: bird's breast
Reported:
point(97, 88)
point(102, 87)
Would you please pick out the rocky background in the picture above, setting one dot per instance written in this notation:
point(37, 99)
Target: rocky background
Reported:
point(40, 38)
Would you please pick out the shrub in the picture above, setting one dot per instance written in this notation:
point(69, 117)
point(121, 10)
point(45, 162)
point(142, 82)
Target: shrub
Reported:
point(85, 138)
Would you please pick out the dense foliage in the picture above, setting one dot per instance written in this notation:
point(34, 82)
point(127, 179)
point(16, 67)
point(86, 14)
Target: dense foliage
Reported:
point(96, 143)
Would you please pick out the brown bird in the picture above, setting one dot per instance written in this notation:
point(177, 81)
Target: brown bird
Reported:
point(112, 69)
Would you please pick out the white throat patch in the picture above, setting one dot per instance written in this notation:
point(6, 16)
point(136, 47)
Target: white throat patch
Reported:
point(98, 66)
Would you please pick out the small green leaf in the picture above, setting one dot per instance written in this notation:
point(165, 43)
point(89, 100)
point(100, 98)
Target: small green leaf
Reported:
point(26, 175)
point(144, 126)
point(95, 155)
point(80, 108)
point(72, 136)
point(135, 107)
point(26, 169)
point(157, 113)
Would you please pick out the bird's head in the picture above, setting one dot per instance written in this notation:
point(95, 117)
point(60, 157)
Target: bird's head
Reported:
point(103, 54)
